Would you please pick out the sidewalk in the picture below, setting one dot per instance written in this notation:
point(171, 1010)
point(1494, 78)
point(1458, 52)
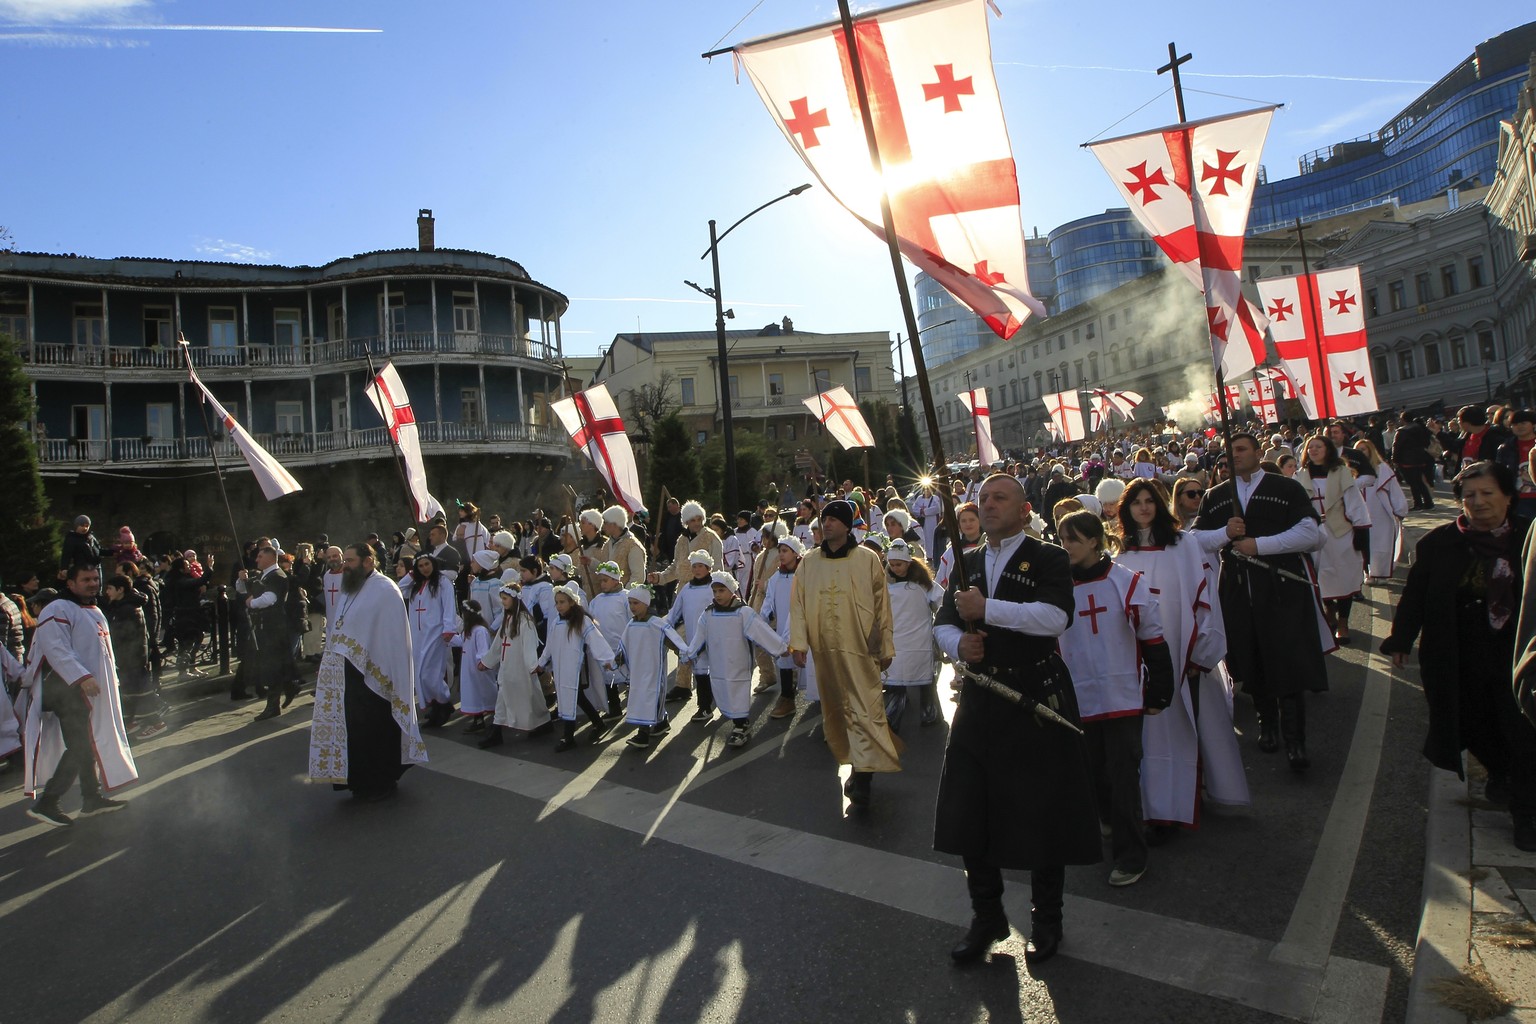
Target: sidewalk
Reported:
point(1476, 953)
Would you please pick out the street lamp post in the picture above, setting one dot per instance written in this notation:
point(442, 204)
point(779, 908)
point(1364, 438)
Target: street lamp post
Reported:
point(727, 425)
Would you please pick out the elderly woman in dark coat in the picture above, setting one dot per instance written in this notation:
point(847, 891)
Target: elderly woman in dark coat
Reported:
point(1462, 602)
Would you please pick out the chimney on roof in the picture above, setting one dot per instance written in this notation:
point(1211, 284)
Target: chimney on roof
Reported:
point(424, 234)
point(789, 326)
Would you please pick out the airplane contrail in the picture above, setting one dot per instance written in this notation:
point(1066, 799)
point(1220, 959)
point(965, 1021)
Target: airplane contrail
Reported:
point(197, 28)
point(1212, 74)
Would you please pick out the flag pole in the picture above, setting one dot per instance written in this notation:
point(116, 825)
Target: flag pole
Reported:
point(1172, 68)
point(394, 444)
point(909, 315)
point(218, 471)
point(586, 428)
point(1324, 401)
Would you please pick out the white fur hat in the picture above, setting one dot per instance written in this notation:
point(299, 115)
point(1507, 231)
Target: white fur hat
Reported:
point(503, 539)
point(640, 592)
point(485, 559)
point(1091, 503)
point(793, 543)
point(902, 516)
point(726, 580)
point(592, 517)
point(511, 578)
point(692, 510)
point(775, 529)
point(701, 557)
point(616, 515)
point(1109, 490)
point(570, 590)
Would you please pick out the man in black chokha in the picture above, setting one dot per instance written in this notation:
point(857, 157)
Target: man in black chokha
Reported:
point(1016, 790)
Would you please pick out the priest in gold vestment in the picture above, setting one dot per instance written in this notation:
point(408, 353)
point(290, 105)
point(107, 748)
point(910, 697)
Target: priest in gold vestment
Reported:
point(840, 612)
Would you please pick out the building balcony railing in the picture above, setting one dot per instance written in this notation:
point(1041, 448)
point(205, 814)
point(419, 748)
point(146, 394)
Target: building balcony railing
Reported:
point(308, 354)
point(304, 448)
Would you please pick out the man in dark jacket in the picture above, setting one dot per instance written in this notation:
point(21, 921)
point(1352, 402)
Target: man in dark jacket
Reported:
point(1410, 454)
point(1479, 439)
point(268, 654)
point(80, 546)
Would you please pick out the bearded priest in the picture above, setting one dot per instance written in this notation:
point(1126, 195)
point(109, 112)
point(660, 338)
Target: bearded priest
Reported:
point(364, 733)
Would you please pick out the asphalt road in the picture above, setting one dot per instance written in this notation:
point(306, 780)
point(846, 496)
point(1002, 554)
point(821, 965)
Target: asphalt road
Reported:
point(695, 883)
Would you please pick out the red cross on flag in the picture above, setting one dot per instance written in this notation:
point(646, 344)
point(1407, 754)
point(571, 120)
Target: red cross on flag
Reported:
point(948, 166)
point(981, 414)
point(1099, 410)
point(839, 413)
point(1066, 415)
point(387, 394)
point(1125, 403)
point(1327, 302)
point(1260, 392)
point(593, 422)
point(274, 480)
point(1190, 186)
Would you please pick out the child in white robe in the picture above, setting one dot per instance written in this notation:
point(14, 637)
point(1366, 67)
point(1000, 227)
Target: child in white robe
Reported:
point(643, 648)
point(776, 612)
point(571, 636)
point(727, 629)
point(514, 656)
point(693, 597)
point(610, 609)
point(429, 603)
point(484, 585)
point(477, 686)
point(914, 599)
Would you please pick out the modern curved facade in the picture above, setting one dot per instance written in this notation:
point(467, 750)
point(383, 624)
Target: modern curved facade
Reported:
point(1447, 138)
point(1094, 255)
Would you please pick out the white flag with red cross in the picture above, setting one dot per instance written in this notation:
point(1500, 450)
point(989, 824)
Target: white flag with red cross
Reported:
point(387, 393)
point(1320, 315)
point(839, 413)
point(1125, 403)
point(1260, 392)
point(1067, 414)
point(593, 422)
point(274, 480)
point(981, 414)
point(938, 119)
point(1190, 186)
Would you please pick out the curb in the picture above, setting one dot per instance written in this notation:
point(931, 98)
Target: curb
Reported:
point(1445, 919)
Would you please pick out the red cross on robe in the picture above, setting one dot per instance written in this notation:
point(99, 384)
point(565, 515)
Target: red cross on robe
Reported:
point(1092, 612)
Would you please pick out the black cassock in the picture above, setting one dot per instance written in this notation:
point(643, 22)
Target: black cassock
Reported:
point(373, 737)
point(1274, 648)
point(1017, 791)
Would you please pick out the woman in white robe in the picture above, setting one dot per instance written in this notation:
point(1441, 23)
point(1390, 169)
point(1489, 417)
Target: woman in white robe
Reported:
point(1388, 505)
point(914, 599)
point(514, 656)
point(429, 602)
point(1337, 498)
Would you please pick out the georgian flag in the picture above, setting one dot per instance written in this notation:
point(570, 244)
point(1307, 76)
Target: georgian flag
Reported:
point(1327, 301)
point(1125, 403)
point(274, 480)
point(593, 422)
point(975, 401)
point(1066, 415)
point(1260, 392)
point(1190, 185)
point(839, 413)
point(947, 164)
point(387, 394)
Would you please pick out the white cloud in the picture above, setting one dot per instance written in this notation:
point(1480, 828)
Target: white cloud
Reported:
point(1345, 120)
point(55, 11)
point(233, 252)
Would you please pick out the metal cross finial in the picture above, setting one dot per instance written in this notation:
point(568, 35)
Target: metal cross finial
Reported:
point(1174, 60)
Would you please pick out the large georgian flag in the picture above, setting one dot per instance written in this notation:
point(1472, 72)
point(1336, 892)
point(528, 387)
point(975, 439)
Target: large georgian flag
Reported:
point(1125, 403)
point(948, 167)
point(981, 414)
point(593, 422)
point(1260, 392)
point(387, 393)
point(839, 413)
point(1066, 413)
point(1190, 186)
point(274, 480)
point(1327, 301)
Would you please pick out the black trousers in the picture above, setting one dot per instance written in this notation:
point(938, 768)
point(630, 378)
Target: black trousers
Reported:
point(70, 707)
point(1418, 483)
point(1114, 751)
point(1289, 713)
point(1047, 887)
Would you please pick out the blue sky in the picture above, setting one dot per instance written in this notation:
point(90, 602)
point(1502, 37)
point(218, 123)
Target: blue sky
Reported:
point(588, 140)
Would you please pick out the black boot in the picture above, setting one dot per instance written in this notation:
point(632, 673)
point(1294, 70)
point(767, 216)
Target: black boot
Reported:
point(988, 922)
point(491, 739)
point(1268, 710)
point(568, 740)
point(1293, 728)
point(856, 789)
point(1047, 886)
point(929, 698)
point(978, 941)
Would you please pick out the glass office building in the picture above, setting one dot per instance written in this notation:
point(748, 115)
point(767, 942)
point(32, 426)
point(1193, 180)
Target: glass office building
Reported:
point(1097, 254)
point(965, 331)
point(1447, 138)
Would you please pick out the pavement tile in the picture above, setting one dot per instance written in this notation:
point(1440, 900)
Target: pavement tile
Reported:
point(1527, 897)
point(1512, 970)
point(1490, 819)
point(1495, 847)
point(1491, 895)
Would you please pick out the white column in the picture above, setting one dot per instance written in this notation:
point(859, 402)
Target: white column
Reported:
point(314, 422)
point(176, 315)
point(245, 319)
point(522, 400)
point(106, 330)
point(250, 408)
point(384, 317)
point(107, 445)
point(437, 396)
point(485, 405)
point(479, 327)
point(346, 323)
point(432, 282)
point(559, 341)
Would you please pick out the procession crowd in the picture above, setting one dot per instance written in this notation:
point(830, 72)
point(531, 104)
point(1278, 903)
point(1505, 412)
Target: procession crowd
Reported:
point(1108, 597)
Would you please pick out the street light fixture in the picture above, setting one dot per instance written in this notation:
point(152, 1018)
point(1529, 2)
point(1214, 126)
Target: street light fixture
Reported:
point(723, 355)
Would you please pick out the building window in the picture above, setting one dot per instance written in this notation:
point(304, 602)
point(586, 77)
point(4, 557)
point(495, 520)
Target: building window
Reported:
point(288, 329)
point(1486, 350)
point(1093, 366)
point(1114, 362)
point(223, 329)
point(1127, 314)
point(771, 432)
point(1379, 360)
point(789, 431)
point(466, 317)
point(1111, 321)
point(822, 380)
point(1093, 327)
point(987, 370)
point(701, 437)
point(685, 385)
point(1458, 352)
point(90, 324)
point(861, 380)
point(1421, 292)
point(734, 383)
point(392, 317)
point(469, 405)
point(336, 316)
point(1079, 368)
point(1253, 274)
point(1016, 391)
point(776, 386)
point(1448, 279)
point(13, 318)
point(1371, 308)
point(1475, 272)
point(1405, 364)
point(158, 424)
point(1432, 358)
point(157, 327)
point(1077, 336)
point(1286, 270)
point(290, 417)
point(1396, 297)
